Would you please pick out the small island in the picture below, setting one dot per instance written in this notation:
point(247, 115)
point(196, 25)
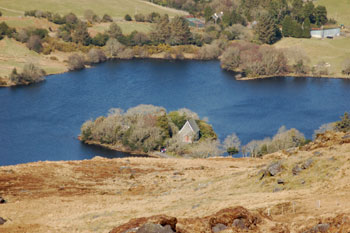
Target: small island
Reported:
point(146, 129)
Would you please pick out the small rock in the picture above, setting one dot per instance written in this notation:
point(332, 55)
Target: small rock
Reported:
point(321, 227)
point(195, 206)
point(177, 173)
point(307, 164)
point(154, 228)
point(239, 223)
point(277, 189)
point(2, 200)
point(302, 181)
point(132, 176)
point(296, 170)
point(218, 227)
point(2, 221)
point(274, 168)
point(317, 153)
point(122, 168)
point(280, 181)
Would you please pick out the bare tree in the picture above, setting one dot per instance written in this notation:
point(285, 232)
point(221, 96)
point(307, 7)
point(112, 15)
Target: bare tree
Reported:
point(76, 62)
point(114, 48)
point(96, 56)
point(232, 144)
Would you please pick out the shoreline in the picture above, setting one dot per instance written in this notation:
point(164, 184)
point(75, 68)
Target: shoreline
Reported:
point(192, 56)
point(292, 76)
point(120, 148)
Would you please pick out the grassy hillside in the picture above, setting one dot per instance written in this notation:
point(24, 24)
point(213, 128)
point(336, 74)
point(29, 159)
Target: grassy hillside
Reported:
point(15, 54)
point(115, 8)
point(338, 10)
point(332, 51)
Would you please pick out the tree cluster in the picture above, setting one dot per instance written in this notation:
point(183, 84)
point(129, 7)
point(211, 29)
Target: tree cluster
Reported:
point(146, 128)
point(30, 74)
point(254, 60)
point(284, 139)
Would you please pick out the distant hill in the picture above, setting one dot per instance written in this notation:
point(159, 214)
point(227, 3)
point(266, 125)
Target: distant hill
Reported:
point(115, 8)
point(338, 10)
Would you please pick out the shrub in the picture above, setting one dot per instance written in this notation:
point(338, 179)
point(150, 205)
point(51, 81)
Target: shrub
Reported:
point(0, 13)
point(127, 17)
point(5, 30)
point(231, 59)
point(127, 53)
point(232, 144)
point(346, 67)
point(209, 52)
point(53, 58)
point(30, 74)
point(320, 68)
point(58, 19)
point(284, 139)
point(114, 48)
point(139, 17)
point(34, 43)
point(100, 39)
point(114, 31)
point(22, 36)
point(139, 38)
point(153, 17)
point(344, 124)
point(30, 13)
point(96, 56)
point(107, 18)
point(300, 68)
point(76, 62)
point(71, 19)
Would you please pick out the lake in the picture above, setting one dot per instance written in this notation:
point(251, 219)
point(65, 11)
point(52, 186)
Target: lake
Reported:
point(42, 121)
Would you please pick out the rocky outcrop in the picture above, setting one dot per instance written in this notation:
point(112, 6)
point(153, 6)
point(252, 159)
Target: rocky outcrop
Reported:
point(237, 218)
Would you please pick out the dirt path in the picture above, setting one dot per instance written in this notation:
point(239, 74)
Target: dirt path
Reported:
point(165, 8)
point(11, 10)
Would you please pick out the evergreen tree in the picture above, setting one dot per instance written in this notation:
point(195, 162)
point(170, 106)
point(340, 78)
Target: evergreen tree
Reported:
point(297, 6)
point(306, 28)
point(267, 30)
point(278, 9)
point(208, 12)
point(297, 30)
point(309, 12)
point(321, 15)
point(287, 26)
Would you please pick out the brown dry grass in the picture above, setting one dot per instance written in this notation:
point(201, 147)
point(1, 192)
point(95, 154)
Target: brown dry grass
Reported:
point(97, 195)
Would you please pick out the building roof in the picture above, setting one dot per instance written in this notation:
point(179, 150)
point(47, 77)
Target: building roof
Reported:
point(193, 125)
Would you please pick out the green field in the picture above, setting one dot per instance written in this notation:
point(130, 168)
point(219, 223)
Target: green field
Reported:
point(115, 8)
point(332, 51)
point(337, 9)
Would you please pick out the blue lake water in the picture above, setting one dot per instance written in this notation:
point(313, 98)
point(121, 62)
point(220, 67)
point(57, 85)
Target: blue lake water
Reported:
point(42, 121)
